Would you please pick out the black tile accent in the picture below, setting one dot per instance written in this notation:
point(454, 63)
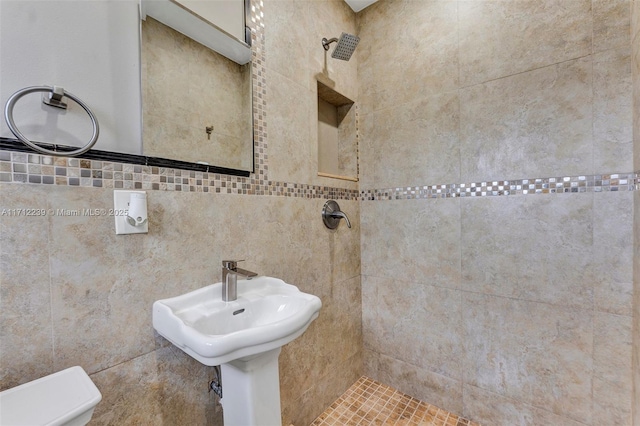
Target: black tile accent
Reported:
point(8, 144)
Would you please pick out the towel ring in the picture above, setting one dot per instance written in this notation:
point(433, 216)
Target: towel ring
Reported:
point(54, 100)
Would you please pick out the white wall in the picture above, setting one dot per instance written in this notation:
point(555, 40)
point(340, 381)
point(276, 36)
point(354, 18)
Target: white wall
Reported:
point(89, 47)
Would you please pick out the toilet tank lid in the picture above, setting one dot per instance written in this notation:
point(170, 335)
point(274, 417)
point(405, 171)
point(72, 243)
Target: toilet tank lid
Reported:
point(50, 400)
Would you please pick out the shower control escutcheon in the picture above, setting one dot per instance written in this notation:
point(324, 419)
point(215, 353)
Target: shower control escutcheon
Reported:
point(331, 215)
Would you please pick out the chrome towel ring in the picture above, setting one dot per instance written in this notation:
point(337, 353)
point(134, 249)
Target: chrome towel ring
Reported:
point(54, 99)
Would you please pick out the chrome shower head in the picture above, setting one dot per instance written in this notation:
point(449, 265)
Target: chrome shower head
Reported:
point(345, 47)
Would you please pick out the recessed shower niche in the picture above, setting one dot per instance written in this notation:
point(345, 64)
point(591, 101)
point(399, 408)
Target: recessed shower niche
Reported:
point(337, 135)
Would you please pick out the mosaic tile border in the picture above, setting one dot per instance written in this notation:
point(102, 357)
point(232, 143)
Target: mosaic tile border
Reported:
point(551, 185)
point(20, 167)
point(259, 82)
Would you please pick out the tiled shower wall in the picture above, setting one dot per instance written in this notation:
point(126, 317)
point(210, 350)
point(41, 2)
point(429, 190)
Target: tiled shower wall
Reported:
point(74, 293)
point(513, 309)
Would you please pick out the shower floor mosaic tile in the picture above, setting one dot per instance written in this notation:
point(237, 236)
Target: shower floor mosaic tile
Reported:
point(368, 402)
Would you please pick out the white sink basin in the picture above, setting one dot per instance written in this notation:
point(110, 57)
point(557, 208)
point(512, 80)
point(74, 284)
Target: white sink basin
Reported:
point(268, 313)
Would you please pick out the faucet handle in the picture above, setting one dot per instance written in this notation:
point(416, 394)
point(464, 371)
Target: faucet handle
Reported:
point(331, 215)
point(231, 264)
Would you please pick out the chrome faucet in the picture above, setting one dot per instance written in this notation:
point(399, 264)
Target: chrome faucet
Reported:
point(230, 272)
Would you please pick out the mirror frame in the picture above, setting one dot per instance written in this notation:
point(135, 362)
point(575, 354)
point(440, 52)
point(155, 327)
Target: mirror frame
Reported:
point(8, 144)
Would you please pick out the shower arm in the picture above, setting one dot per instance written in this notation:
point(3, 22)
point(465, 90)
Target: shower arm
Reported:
point(326, 43)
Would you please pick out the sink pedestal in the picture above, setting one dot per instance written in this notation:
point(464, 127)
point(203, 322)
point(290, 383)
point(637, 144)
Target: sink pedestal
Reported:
point(251, 390)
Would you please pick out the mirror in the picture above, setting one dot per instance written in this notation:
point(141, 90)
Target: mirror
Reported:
point(196, 82)
point(196, 103)
point(197, 111)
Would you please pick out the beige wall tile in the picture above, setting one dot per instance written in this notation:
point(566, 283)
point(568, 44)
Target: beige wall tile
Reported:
point(368, 152)
point(164, 386)
point(366, 54)
point(305, 408)
point(532, 352)
point(292, 154)
point(612, 111)
point(612, 374)
point(613, 252)
point(285, 32)
point(529, 125)
point(501, 38)
point(422, 384)
point(421, 61)
point(491, 408)
point(370, 313)
point(130, 393)
point(338, 332)
point(414, 322)
point(399, 241)
point(611, 24)
point(417, 142)
point(490, 250)
point(511, 247)
point(184, 393)
point(25, 299)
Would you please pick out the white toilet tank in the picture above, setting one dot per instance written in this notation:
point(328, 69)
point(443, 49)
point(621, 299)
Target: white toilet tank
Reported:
point(67, 397)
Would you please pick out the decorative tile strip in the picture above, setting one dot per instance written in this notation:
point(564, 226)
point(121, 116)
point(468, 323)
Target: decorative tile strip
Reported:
point(259, 81)
point(20, 167)
point(553, 185)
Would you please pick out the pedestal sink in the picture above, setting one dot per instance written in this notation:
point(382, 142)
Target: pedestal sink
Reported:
point(244, 337)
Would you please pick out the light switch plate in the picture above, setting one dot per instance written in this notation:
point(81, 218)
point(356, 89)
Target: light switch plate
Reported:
point(120, 210)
